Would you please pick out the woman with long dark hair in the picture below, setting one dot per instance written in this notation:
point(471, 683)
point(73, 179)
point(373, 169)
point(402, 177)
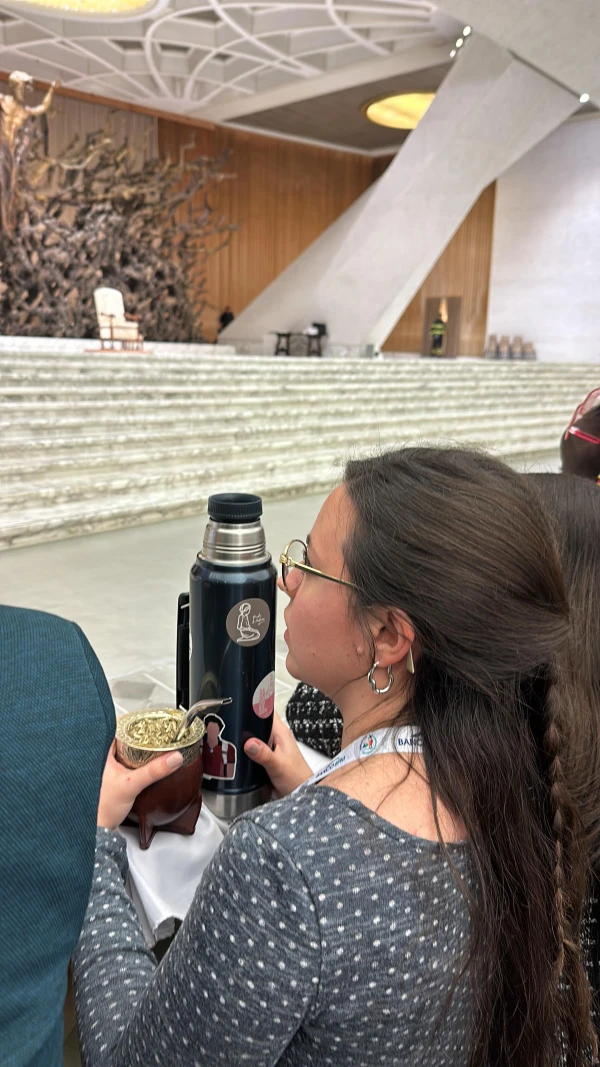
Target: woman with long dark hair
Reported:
point(420, 900)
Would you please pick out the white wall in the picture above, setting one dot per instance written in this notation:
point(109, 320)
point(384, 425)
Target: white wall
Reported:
point(545, 276)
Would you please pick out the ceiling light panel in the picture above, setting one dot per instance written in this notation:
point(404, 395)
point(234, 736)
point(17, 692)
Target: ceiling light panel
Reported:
point(402, 112)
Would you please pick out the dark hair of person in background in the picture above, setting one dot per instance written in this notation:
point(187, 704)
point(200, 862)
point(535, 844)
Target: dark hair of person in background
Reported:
point(573, 506)
point(487, 701)
point(579, 455)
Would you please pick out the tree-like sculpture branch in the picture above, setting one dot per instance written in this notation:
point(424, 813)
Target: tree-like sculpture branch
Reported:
point(93, 217)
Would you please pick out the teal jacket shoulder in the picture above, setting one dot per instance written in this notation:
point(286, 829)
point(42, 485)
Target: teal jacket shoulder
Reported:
point(56, 724)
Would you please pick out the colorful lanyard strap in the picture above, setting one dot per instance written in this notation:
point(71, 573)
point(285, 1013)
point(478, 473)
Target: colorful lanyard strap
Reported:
point(399, 740)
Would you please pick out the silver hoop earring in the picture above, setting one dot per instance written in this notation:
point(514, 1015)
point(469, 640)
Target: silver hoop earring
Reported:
point(373, 683)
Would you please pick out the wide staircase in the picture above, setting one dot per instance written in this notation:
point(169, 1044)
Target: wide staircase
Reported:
point(97, 442)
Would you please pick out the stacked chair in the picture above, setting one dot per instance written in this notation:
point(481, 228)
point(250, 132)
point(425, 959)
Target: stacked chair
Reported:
point(491, 349)
point(504, 351)
point(507, 349)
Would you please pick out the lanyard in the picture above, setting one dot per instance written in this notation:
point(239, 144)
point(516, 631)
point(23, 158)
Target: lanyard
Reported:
point(389, 739)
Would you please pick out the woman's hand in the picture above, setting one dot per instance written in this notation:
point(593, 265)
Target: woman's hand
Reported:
point(282, 760)
point(120, 785)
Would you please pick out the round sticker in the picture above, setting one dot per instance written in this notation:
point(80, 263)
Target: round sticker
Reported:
point(263, 700)
point(248, 622)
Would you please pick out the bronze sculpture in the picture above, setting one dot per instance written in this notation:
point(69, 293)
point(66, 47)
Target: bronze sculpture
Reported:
point(96, 217)
point(14, 113)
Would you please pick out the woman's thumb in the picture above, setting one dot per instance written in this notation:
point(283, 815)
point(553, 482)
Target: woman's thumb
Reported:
point(258, 751)
point(157, 769)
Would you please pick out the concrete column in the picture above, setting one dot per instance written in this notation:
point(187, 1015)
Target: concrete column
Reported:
point(362, 273)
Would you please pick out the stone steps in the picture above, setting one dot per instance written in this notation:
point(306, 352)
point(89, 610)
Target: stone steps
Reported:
point(235, 418)
point(117, 392)
point(110, 440)
point(32, 525)
point(46, 487)
point(57, 464)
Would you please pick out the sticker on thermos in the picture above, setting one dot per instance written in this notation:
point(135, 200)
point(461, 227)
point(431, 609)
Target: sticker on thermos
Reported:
point(248, 622)
point(263, 701)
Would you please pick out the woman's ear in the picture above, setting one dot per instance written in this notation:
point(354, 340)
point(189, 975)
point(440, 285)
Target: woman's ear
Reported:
point(393, 636)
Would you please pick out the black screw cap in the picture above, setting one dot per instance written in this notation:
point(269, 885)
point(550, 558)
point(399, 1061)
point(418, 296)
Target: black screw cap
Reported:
point(234, 507)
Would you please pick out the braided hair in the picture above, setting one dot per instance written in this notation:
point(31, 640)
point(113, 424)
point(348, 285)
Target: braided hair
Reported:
point(572, 505)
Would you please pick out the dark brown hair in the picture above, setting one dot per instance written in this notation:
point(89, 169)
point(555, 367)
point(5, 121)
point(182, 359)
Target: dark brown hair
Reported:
point(579, 456)
point(573, 507)
point(459, 542)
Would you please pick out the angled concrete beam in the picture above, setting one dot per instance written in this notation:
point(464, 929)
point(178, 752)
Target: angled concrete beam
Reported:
point(561, 39)
point(362, 273)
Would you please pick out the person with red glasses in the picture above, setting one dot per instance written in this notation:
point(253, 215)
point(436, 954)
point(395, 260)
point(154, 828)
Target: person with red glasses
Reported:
point(580, 443)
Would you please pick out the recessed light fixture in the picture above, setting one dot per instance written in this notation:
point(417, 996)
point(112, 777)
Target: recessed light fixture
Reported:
point(583, 99)
point(466, 31)
point(400, 112)
point(460, 42)
point(453, 53)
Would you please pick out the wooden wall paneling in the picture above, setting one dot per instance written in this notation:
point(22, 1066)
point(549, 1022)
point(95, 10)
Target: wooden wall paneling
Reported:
point(463, 269)
point(379, 164)
point(284, 195)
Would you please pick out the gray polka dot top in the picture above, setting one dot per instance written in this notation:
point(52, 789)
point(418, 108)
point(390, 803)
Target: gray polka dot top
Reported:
point(319, 934)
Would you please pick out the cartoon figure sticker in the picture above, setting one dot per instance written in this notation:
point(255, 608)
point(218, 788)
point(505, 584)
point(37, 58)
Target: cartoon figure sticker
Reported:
point(263, 700)
point(219, 757)
point(248, 622)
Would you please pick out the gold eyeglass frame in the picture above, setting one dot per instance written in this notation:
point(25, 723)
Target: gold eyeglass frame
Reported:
point(287, 561)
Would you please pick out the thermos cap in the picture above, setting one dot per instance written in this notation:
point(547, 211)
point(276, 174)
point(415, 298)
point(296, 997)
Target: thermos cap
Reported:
point(234, 507)
point(234, 535)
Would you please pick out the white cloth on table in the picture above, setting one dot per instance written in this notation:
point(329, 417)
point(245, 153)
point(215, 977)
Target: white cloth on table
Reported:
point(164, 877)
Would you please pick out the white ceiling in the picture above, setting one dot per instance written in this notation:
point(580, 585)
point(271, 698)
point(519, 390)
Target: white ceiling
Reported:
point(207, 58)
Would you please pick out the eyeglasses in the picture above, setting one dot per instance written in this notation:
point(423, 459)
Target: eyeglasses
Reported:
point(590, 402)
point(292, 572)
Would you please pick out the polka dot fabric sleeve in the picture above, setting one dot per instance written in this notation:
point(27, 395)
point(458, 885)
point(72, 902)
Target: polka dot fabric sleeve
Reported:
point(237, 983)
point(111, 965)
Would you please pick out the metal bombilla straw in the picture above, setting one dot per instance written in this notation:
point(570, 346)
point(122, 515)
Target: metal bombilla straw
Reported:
point(196, 709)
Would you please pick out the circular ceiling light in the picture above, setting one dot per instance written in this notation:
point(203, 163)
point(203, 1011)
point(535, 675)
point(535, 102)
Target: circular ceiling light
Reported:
point(402, 112)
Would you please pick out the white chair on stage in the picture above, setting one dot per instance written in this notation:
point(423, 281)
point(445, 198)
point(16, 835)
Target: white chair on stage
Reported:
point(113, 323)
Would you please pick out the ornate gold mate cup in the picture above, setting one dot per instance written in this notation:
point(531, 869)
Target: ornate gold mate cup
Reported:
point(174, 803)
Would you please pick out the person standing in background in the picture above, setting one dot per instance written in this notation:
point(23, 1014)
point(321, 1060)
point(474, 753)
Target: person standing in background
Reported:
point(437, 332)
point(225, 318)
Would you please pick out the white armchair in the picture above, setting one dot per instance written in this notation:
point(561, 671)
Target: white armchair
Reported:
point(113, 323)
